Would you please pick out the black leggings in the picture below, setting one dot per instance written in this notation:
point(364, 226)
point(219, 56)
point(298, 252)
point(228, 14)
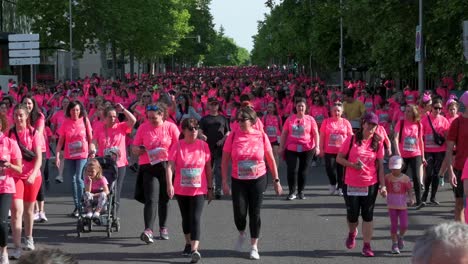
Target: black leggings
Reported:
point(363, 204)
point(298, 163)
point(191, 208)
point(5, 203)
point(414, 163)
point(434, 162)
point(41, 194)
point(118, 188)
point(334, 170)
point(248, 195)
point(155, 190)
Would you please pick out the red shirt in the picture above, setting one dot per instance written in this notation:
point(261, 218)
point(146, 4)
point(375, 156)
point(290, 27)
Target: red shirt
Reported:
point(458, 133)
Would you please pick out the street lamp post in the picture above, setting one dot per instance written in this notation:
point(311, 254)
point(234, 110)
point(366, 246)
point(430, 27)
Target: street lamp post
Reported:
point(71, 39)
point(421, 52)
point(341, 48)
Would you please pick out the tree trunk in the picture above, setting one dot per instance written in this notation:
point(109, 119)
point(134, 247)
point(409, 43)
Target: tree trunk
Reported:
point(122, 64)
point(132, 62)
point(114, 60)
point(104, 66)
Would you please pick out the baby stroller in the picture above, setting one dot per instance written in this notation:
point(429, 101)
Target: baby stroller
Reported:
point(107, 217)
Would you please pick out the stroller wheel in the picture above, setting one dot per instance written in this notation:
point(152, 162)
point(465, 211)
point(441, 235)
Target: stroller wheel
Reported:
point(79, 227)
point(90, 225)
point(117, 225)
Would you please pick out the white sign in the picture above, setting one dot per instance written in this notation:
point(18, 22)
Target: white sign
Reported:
point(418, 48)
point(23, 53)
point(23, 37)
point(25, 61)
point(465, 39)
point(23, 45)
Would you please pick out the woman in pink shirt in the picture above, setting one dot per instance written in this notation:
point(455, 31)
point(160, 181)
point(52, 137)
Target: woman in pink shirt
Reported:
point(434, 148)
point(10, 164)
point(300, 141)
point(191, 160)
point(410, 146)
point(452, 110)
point(273, 127)
point(110, 139)
point(333, 132)
point(28, 182)
point(248, 148)
point(75, 137)
point(152, 142)
point(362, 155)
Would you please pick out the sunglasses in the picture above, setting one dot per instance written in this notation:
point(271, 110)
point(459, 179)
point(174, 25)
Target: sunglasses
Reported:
point(152, 108)
point(146, 96)
point(243, 119)
point(437, 108)
point(193, 128)
point(338, 104)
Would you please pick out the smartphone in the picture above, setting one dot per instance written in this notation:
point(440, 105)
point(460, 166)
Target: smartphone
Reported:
point(2, 163)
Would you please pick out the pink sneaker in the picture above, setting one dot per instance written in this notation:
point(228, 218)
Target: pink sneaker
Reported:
point(351, 240)
point(367, 251)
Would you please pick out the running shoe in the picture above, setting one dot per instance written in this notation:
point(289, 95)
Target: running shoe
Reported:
point(291, 197)
point(434, 201)
point(29, 244)
point(332, 189)
point(351, 240)
point(441, 181)
point(4, 259)
point(419, 205)
point(89, 215)
point(395, 249)
point(96, 215)
point(239, 246)
point(16, 253)
point(195, 257)
point(339, 192)
point(301, 196)
point(401, 242)
point(36, 217)
point(42, 217)
point(187, 250)
point(367, 251)
point(75, 213)
point(254, 254)
point(147, 236)
point(164, 233)
point(59, 179)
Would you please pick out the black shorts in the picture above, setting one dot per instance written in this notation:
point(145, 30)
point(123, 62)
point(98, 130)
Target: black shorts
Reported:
point(458, 191)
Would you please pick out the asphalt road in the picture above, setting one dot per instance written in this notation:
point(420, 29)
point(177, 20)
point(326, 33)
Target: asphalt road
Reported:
point(299, 231)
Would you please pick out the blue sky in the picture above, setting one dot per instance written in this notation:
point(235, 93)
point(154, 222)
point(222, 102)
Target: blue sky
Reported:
point(239, 19)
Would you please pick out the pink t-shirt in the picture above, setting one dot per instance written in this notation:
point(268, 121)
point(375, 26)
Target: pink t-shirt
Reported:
point(247, 153)
point(41, 122)
point(31, 142)
point(272, 127)
point(367, 175)
point(336, 131)
point(441, 126)
point(10, 151)
point(301, 132)
point(75, 139)
point(319, 113)
point(397, 191)
point(57, 119)
point(384, 119)
point(113, 140)
point(157, 141)
point(408, 141)
point(96, 185)
point(257, 126)
point(190, 160)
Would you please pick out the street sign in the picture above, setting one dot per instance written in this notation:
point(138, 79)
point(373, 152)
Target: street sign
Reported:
point(418, 42)
point(465, 39)
point(23, 37)
point(25, 61)
point(24, 53)
point(23, 45)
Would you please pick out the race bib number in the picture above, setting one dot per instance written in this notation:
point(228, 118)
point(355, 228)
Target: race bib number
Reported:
point(357, 191)
point(157, 155)
point(410, 144)
point(246, 169)
point(369, 105)
point(75, 149)
point(112, 151)
point(271, 131)
point(190, 177)
point(319, 118)
point(383, 118)
point(298, 131)
point(335, 140)
point(429, 139)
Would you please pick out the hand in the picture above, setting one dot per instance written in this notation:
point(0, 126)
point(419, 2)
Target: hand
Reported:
point(383, 192)
point(57, 161)
point(119, 108)
point(278, 188)
point(170, 191)
point(424, 162)
point(317, 151)
point(412, 201)
point(31, 178)
point(281, 154)
point(357, 165)
point(220, 142)
point(226, 189)
point(453, 179)
point(209, 195)
point(92, 155)
point(389, 152)
point(321, 153)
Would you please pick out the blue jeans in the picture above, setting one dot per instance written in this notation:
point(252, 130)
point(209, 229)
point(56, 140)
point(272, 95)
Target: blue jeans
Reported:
point(74, 169)
point(216, 164)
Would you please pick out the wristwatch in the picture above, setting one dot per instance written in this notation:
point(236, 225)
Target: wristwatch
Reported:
point(277, 180)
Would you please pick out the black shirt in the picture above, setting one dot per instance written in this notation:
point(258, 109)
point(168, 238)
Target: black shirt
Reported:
point(214, 128)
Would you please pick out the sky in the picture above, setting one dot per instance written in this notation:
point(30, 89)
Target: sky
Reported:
point(239, 19)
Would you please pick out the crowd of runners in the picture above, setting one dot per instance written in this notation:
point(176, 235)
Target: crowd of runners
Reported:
point(207, 132)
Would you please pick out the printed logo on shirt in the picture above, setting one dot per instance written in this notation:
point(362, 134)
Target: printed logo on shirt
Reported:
point(298, 131)
point(75, 149)
point(247, 169)
point(271, 131)
point(409, 144)
point(190, 177)
point(335, 140)
point(157, 155)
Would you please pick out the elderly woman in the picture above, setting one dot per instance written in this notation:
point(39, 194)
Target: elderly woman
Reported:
point(410, 146)
point(362, 156)
point(192, 181)
point(152, 142)
point(333, 132)
point(299, 142)
point(248, 148)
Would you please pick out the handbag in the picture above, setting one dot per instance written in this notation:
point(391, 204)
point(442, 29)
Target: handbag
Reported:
point(28, 155)
point(438, 138)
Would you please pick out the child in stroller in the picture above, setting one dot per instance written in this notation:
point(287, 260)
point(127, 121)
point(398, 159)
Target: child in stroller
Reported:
point(96, 189)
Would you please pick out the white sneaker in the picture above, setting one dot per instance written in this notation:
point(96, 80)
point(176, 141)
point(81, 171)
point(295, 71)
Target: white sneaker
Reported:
point(36, 217)
point(96, 215)
point(42, 217)
point(239, 247)
point(89, 215)
point(4, 259)
point(254, 254)
point(339, 192)
point(16, 254)
point(332, 189)
point(29, 244)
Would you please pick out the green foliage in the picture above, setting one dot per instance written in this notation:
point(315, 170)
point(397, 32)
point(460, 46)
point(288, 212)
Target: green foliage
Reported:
point(225, 52)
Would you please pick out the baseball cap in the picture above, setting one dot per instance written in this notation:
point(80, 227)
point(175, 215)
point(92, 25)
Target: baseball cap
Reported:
point(371, 118)
point(395, 163)
point(213, 100)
